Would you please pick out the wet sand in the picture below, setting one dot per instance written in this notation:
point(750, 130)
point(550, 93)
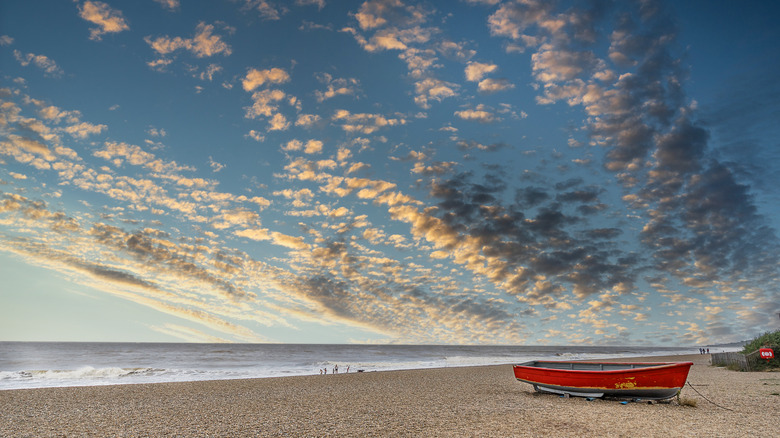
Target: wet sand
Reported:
point(472, 401)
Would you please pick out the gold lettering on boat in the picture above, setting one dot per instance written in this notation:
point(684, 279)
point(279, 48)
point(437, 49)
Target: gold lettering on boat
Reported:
point(628, 384)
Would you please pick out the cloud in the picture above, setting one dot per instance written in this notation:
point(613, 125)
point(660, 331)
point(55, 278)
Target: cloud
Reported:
point(318, 3)
point(396, 26)
point(107, 19)
point(129, 286)
point(475, 71)
point(378, 13)
point(85, 129)
point(163, 257)
point(436, 168)
point(208, 73)
point(204, 44)
point(265, 103)
point(336, 87)
point(479, 114)
point(256, 78)
point(310, 147)
point(188, 334)
point(278, 123)
point(307, 120)
point(37, 213)
point(658, 151)
point(29, 145)
point(417, 248)
point(300, 198)
point(494, 85)
point(433, 89)
point(171, 5)
point(551, 65)
point(188, 275)
point(470, 145)
point(49, 67)
point(338, 271)
point(511, 19)
point(215, 166)
point(154, 132)
point(473, 228)
point(363, 122)
point(291, 242)
point(313, 147)
point(115, 276)
point(268, 10)
point(136, 156)
point(254, 233)
point(159, 64)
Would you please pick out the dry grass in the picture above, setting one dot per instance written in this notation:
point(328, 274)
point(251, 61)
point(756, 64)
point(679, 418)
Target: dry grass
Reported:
point(687, 401)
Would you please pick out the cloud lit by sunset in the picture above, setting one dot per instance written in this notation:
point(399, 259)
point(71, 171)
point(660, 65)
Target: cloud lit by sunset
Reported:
point(386, 171)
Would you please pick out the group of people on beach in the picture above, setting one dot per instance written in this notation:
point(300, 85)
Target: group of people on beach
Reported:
point(335, 369)
point(704, 351)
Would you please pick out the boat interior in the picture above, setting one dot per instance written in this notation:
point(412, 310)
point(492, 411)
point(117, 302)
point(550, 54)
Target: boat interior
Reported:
point(585, 366)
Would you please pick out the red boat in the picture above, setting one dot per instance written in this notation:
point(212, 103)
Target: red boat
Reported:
point(643, 380)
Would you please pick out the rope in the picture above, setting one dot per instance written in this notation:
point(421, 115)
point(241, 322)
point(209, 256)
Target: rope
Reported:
point(705, 398)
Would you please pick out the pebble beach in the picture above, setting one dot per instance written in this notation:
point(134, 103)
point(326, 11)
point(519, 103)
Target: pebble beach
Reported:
point(446, 402)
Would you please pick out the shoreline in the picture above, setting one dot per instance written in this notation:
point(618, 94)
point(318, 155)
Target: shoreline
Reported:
point(75, 383)
point(454, 401)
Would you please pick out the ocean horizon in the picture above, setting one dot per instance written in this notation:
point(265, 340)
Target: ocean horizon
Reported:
point(64, 364)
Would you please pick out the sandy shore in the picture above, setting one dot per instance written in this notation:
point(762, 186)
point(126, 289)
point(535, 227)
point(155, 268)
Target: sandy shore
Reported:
point(474, 401)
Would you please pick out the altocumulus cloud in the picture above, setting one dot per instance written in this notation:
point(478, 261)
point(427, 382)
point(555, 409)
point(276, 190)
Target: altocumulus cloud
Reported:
point(387, 174)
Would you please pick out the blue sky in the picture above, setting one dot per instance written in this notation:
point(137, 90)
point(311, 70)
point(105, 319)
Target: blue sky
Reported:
point(388, 171)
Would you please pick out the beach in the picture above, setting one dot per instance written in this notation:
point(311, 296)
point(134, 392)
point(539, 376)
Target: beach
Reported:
point(458, 401)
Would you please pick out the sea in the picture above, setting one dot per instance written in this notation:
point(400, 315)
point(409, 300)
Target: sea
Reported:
point(59, 364)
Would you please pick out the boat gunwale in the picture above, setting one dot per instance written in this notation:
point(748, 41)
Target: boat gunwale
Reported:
point(652, 366)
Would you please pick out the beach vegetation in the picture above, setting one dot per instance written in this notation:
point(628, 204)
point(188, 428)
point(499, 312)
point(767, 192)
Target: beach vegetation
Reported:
point(734, 367)
point(768, 339)
point(686, 401)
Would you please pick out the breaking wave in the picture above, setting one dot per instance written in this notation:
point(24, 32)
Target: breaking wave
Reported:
point(82, 376)
point(39, 365)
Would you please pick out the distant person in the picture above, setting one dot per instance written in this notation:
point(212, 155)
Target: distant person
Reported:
point(708, 351)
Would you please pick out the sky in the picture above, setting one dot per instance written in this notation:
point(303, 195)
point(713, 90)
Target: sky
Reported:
point(387, 171)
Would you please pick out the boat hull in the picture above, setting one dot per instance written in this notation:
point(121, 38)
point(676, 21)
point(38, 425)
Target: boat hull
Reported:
point(651, 381)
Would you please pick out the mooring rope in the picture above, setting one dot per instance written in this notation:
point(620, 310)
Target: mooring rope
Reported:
point(705, 398)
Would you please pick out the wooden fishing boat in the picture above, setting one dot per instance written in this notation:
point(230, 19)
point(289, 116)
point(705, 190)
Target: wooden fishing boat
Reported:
point(642, 380)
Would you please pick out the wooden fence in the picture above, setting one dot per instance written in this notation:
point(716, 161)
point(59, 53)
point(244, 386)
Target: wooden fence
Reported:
point(730, 359)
